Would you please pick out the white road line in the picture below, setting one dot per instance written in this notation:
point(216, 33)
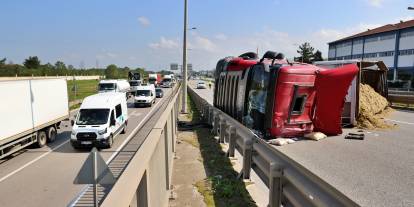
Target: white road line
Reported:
point(401, 122)
point(33, 161)
point(83, 191)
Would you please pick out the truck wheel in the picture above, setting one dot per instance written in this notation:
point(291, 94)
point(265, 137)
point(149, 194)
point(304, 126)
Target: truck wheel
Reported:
point(41, 139)
point(110, 141)
point(124, 130)
point(51, 134)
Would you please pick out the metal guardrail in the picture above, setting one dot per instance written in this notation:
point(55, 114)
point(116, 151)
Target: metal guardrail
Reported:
point(289, 183)
point(402, 99)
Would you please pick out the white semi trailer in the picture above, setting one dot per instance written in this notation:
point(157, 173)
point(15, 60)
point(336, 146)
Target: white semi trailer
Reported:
point(31, 111)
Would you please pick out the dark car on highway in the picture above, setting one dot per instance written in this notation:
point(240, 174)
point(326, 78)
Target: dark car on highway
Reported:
point(159, 93)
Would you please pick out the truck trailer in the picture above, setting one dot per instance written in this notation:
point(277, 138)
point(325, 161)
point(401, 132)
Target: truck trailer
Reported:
point(32, 111)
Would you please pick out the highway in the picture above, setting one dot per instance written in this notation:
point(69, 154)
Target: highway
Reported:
point(377, 171)
point(44, 177)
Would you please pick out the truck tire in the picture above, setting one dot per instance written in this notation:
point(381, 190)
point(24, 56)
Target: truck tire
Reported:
point(110, 141)
point(51, 134)
point(41, 139)
point(124, 130)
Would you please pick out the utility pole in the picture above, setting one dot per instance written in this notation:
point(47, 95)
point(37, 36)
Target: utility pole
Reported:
point(184, 100)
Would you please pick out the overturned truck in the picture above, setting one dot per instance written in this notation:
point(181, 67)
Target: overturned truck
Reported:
point(276, 98)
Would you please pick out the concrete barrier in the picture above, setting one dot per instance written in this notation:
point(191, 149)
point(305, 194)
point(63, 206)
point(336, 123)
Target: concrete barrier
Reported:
point(146, 181)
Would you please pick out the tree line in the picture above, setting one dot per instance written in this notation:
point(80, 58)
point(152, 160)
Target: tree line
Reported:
point(32, 66)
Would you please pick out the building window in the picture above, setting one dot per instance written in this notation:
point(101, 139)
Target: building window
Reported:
point(359, 56)
point(370, 55)
point(407, 34)
point(356, 42)
point(386, 54)
point(387, 37)
point(371, 39)
point(406, 52)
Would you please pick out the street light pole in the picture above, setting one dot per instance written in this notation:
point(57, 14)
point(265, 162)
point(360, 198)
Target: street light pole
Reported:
point(184, 100)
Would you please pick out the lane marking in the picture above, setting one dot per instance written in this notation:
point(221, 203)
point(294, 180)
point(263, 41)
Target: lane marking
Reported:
point(130, 136)
point(33, 161)
point(401, 122)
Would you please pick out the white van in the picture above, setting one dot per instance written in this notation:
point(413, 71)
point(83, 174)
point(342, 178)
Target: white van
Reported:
point(145, 95)
point(114, 86)
point(100, 118)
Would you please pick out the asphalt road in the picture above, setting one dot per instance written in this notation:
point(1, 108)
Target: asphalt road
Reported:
point(377, 171)
point(44, 177)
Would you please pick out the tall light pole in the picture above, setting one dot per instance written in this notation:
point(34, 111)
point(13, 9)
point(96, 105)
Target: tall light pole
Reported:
point(184, 100)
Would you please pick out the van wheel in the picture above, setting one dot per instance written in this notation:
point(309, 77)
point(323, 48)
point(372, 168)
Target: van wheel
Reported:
point(124, 130)
point(110, 141)
point(51, 134)
point(41, 139)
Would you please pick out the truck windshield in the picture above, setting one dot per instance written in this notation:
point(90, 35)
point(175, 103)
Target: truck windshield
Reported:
point(143, 93)
point(92, 116)
point(133, 83)
point(106, 86)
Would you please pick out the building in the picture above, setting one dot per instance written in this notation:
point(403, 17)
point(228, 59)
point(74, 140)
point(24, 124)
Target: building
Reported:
point(392, 43)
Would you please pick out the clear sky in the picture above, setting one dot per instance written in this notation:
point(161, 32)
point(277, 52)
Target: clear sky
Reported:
point(138, 33)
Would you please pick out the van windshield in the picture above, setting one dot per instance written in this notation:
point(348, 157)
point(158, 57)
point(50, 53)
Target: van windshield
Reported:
point(92, 116)
point(133, 83)
point(143, 93)
point(106, 86)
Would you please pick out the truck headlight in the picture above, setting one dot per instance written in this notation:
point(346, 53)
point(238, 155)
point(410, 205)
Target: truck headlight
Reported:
point(103, 131)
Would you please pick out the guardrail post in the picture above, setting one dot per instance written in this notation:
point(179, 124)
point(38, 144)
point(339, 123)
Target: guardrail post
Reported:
point(216, 123)
point(210, 115)
point(247, 157)
point(275, 185)
point(232, 141)
point(222, 129)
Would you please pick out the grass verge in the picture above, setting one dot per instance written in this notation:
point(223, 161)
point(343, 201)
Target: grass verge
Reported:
point(84, 88)
point(221, 188)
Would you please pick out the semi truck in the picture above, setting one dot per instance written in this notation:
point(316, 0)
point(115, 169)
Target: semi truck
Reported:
point(154, 79)
point(32, 111)
point(167, 81)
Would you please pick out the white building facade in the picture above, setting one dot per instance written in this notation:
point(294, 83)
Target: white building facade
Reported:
point(393, 44)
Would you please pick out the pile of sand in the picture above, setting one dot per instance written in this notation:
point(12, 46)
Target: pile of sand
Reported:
point(372, 109)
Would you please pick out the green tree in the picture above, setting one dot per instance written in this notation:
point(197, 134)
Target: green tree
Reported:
point(60, 65)
point(306, 53)
point(32, 62)
point(3, 61)
point(317, 56)
point(111, 71)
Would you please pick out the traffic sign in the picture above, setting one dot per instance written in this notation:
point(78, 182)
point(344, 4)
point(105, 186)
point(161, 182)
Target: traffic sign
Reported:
point(87, 171)
point(174, 66)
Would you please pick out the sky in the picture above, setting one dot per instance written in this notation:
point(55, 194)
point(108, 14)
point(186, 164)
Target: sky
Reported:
point(149, 34)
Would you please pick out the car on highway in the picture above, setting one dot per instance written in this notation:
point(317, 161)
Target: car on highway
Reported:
point(201, 85)
point(101, 117)
point(145, 96)
point(159, 93)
